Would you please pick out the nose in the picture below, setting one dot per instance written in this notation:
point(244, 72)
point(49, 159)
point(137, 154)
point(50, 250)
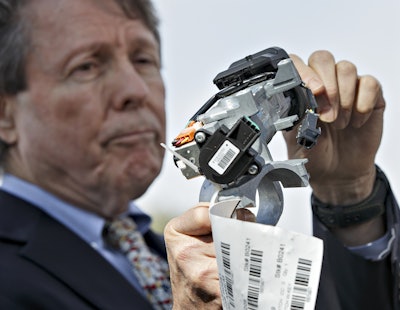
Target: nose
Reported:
point(130, 88)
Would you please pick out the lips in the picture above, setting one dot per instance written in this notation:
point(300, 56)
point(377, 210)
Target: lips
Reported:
point(132, 138)
point(130, 129)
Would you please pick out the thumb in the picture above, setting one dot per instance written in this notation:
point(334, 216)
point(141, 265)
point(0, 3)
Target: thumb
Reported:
point(194, 222)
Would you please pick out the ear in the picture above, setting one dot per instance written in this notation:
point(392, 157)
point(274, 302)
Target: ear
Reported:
point(8, 132)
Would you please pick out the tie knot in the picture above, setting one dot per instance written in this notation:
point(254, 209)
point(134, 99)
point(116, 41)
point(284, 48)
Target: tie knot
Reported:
point(116, 232)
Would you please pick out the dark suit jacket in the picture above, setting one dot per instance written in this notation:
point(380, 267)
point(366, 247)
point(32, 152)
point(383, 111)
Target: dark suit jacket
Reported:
point(349, 282)
point(43, 265)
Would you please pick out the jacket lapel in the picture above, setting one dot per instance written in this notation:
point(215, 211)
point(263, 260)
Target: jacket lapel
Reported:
point(67, 257)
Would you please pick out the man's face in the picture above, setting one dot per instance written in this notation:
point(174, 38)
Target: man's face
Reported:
point(91, 121)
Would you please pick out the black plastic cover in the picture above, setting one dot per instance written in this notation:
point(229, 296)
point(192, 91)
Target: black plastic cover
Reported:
point(250, 66)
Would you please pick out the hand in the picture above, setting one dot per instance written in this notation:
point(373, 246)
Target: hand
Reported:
point(192, 261)
point(341, 164)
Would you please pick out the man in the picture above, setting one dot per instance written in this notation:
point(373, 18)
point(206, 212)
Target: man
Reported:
point(355, 212)
point(81, 119)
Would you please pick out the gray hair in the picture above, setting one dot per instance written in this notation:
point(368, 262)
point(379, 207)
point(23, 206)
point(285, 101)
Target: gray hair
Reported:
point(15, 41)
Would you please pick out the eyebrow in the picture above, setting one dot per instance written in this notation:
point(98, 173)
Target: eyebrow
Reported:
point(145, 43)
point(93, 46)
point(142, 42)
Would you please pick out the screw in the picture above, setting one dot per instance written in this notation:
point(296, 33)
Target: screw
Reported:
point(253, 169)
point(200, 137)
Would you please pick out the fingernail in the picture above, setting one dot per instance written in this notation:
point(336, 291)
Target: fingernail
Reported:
point(327, 115)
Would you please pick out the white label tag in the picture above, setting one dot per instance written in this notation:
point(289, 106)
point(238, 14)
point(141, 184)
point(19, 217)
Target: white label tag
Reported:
point(224, 157)
point(264, 267)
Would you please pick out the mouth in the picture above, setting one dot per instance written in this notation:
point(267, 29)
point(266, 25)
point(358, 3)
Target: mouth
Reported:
point(130, 139)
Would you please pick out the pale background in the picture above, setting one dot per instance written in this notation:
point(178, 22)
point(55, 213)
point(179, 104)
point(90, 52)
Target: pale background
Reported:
point(202, 38)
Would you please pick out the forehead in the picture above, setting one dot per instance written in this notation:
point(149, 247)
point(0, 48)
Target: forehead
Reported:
point(64, 19)
point(57, 11)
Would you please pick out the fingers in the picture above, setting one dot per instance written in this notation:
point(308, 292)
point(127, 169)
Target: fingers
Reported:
point(308, 75)
point(343, 97)
point(190, 234)
point(323, 63)
point(369, 99)
point(346, 74)
point(192, 260)
point(245, 215)
point(194, 222)
point(320, 76)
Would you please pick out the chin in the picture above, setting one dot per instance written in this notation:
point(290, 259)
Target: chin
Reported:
point(142, 180)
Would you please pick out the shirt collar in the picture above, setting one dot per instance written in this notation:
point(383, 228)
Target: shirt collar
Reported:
point(87, 225)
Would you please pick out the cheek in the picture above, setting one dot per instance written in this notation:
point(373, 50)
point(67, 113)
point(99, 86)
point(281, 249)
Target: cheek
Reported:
point(158, 105)
point(162, 122)
point(77, 107)
point(59, 123)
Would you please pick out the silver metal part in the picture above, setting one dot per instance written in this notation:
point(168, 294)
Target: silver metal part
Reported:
point(236, 111)
point(286, 122)
point(286, 78)
point(266, 106)
point(200, 137)
point(265, 186)
point(190, 152)
point(253, 169)
point(264, 100)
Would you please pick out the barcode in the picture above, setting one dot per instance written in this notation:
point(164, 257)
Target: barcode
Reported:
point(224, 157)
point(226, 261)
point(300, 288)
point(225, 161)
point(253, 291)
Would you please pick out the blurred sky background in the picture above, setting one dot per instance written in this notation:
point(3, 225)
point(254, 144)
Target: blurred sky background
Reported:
point(202, 38)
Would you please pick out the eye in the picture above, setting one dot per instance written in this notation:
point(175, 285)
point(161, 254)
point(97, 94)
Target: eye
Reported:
point(146, 63)
point(86, 70)
point(86, 67)
point(143, 59)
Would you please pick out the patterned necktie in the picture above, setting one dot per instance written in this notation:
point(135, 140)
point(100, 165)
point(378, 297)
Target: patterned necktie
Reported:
point(150, 269)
